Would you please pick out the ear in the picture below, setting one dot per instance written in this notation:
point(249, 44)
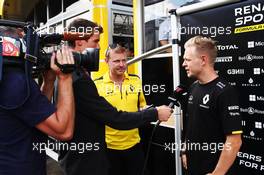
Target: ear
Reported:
point(204, 59)
point(106, 60)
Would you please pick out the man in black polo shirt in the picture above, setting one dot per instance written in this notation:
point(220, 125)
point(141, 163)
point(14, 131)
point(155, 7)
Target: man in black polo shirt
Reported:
point(213, 135)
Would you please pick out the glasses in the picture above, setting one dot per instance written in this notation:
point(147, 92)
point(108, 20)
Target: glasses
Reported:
point(114, 46)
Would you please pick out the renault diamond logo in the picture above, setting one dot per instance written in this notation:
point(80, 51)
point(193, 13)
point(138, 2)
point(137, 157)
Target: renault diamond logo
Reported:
point(205, 99)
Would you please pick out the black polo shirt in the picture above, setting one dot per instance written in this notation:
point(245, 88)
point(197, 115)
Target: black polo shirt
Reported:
point(212, 113)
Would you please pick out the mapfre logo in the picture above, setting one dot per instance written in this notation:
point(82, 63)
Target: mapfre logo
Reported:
point(224, 59)
point(250, 57)
point(235, 71)
point(227, 47)
point(253, 44)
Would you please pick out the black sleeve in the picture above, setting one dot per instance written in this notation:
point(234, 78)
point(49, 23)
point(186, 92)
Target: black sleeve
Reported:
point(228, 108)
point(89, 103)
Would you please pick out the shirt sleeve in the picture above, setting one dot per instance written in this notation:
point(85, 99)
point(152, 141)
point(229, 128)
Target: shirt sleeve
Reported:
point(228, 106)
point(142, 100)
point(36, 108)
point(164, 30)
point(88, 101)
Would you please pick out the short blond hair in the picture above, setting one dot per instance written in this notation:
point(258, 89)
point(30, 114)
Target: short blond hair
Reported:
point(115, 48)
point(203, 44)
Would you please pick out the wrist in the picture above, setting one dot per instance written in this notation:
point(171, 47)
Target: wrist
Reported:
point(65, 77)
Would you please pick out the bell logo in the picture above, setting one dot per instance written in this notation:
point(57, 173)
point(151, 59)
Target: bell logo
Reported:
point(206, 99)
point(251, 111)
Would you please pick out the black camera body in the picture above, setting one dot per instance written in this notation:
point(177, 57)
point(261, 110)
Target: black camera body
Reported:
point(30, 54)
point(22, 55)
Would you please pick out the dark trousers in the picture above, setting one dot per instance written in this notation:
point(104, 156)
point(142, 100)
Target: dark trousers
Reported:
point(126, 162)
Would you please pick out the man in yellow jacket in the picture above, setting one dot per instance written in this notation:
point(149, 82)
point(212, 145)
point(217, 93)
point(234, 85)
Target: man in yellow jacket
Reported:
point(124, 91)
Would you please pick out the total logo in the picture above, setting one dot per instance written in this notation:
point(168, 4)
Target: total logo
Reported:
point(235, 71)
point(253, 44)
point(256, 98)
point(250, 57)
point(227, 47)
point(258, 71)
point(224, 59)
point(251, 83)
point(251, 111)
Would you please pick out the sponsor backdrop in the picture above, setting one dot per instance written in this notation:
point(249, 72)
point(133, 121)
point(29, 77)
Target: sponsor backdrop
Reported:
point(239, 30)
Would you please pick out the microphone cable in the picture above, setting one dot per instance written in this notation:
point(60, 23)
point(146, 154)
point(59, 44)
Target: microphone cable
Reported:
point(150, 141)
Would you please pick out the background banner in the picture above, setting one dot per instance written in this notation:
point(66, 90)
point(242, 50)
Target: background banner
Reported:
point(239, 30)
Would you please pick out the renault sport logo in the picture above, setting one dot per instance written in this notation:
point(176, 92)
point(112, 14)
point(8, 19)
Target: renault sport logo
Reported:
point(205, 99)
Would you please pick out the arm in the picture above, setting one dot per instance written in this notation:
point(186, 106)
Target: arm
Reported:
point(231, 121)
point(92, 105)
point(228, 154)
point(60, 124)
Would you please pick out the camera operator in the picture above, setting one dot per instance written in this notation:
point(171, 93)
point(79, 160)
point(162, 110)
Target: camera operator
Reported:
point(93, 112)
point(25, 128)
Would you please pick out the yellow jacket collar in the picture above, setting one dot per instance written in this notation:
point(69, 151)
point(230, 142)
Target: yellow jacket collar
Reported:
point(107, 79)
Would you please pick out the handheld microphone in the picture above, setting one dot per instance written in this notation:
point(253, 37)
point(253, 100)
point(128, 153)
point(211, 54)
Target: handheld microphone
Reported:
point(176, 97)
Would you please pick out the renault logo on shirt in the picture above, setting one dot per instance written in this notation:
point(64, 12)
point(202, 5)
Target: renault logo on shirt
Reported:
point(205, 99)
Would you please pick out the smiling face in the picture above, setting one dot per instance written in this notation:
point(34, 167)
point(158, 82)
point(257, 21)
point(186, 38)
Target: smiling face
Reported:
point(117, 63)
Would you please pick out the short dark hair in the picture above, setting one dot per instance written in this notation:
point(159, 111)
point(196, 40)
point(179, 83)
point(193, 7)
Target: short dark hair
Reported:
point(80, 25)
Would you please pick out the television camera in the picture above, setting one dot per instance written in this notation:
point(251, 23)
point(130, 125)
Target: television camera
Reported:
point(26, 49)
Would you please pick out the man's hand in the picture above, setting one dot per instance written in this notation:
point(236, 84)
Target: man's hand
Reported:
point(184, 161)
point(164, 113)
point(63, 56)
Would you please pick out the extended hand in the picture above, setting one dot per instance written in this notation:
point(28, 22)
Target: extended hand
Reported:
point(164, 113)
